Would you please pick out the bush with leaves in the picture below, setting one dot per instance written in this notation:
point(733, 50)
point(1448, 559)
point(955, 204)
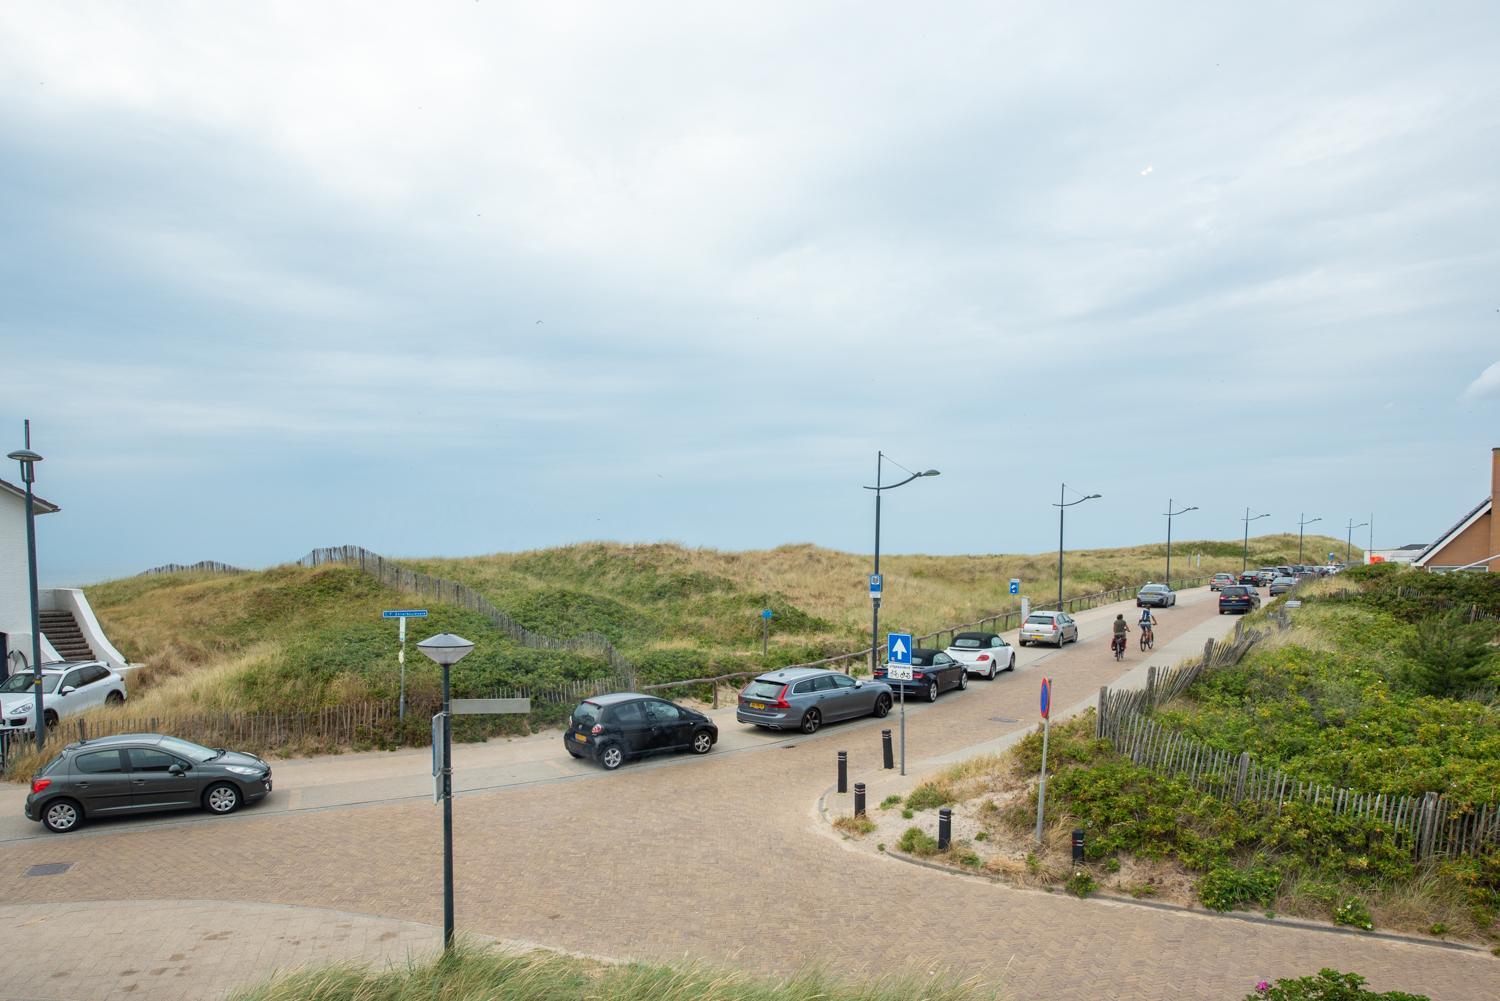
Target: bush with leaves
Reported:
point(1328, 985)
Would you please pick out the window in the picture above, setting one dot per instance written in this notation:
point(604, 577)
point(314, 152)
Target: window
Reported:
point(98, 763)
point(996, 641)
point(1039, 619)
point(149, 759)
point(918, 659)
point(803, 687)
point(188, 749)
point(627, 714)
point(763, 690)
point(662, 712)
point(73, 679)
point(941, 660)
point(586, 715)
point(823, 684)
point(93, 673)
point(966, 642)
point(842, 681)
point(17, 683)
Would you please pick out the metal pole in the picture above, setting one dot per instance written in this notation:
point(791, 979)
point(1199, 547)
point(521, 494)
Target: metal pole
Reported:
point(1041, 789)
point(903, 728)
point(765, 635)
point(1245, 563)
point(1061, 496)
point(447, 813)
point(28, 473)
point(1301, 524)
point(875, 602)
point(401, 657)
point(1169, 542)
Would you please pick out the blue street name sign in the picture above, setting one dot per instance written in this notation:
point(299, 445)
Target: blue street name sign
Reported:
point(1015, 585)
point(766, 614)
point(875, 583)
point(404, 613)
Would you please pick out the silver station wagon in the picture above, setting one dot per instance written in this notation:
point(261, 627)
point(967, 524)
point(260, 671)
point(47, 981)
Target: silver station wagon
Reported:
point(804, 698)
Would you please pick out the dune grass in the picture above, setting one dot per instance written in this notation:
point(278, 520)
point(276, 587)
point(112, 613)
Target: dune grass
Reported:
point(478, 973)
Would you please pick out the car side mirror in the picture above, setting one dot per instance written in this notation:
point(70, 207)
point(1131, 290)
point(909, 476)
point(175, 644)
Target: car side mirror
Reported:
point(175, 768)
point(858, 683)
point(67, 690)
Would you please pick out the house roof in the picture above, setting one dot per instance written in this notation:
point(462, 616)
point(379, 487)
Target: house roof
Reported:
point(42, 506)
point(1442, 540)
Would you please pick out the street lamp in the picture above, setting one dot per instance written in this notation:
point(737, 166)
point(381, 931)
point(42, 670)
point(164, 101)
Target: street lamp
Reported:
point(1245, 563)
point(28, 460)
point(447, 649)
point(1349, 540)
point(875, 602)
point(1170, 515)
point(1301, 524)
point(1062, 505)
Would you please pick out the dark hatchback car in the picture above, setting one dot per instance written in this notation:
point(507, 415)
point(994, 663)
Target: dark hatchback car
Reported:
point(932, 672)
point(1238, 598)
point(1250, 578)
point(611, 729)
point(142, 773)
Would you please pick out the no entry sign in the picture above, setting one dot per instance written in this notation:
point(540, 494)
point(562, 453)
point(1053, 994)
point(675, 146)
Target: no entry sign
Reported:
point(1046, 698)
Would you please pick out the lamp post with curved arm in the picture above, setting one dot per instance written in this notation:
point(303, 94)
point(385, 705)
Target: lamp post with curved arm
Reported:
point(1302, 522)
point(1170, 515)
point(28, 460)
point(1349, 540)
point(1062, 505)
point(879, 488)
point(1245, 562)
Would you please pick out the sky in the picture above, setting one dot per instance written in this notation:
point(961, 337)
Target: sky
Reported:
point(461, 278)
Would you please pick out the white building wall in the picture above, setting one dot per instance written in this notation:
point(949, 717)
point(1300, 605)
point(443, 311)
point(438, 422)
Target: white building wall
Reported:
point(15, 586)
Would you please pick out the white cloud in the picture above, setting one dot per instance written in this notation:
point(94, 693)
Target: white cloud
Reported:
point(1487, 383)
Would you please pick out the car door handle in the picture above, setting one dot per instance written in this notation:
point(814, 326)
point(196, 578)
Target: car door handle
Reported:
point(138, 782)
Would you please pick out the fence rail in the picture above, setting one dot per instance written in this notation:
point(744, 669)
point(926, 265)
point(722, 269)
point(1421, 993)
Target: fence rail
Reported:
point(202, 566)
point(1429, 824)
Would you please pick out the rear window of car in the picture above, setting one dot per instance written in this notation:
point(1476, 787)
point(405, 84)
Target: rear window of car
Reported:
point(50, 766)
point(1236, 591)
point(1154, 588)
point(970, 642)
point(587, 714)
point(1039, 620)
point(919, 659)
point(761, 688)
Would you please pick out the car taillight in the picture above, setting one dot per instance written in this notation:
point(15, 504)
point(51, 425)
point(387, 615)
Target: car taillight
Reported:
point(983, 657)
point(597, 730)
point(917, 675)
point(1054, 627)
point(37, 785)
point(781, 702)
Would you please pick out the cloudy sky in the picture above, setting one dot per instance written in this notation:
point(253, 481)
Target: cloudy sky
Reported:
point(467, 277)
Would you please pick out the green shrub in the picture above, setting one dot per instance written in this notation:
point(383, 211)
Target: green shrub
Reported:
point(1328, 985)
point(929, 796)
point(890, 801)
point(1226, 888)
point(1081, 884)
point(1353, 912)
point(915, 841)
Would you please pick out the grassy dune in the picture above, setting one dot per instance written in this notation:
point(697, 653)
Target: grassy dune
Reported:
point(294, 638)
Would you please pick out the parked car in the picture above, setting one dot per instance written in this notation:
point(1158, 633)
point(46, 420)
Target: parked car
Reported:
point(1281, 585)
point(985, 654)
point(1238, 598)
point(612, 729)
point(804, 698)
point(68, 686)
point(1250, 578)
point(1266, 575)
point(1155, 595)
point(1049, 627)
point(1284, 571)
point(142, 773)
point(932, 672)
point(1218, 580)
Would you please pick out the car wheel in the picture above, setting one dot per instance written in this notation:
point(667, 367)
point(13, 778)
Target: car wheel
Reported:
point(114, 699)
point(932, 691)
point(703, 742)
point(61, 816)
point(811, 720)
point(222, 797)
point(612, 757)
point(882, 706)
point(963, 680)
point(51, 717)
point(1012, 666)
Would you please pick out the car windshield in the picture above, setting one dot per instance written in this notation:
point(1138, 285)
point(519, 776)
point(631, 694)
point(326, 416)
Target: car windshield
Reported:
point(970, 642)
point(1039, 620)
point(763, 688)
point(188, 749)
point(18, 683)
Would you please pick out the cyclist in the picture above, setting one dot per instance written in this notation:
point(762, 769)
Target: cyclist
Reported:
point(1121, 627)
point(1148, 626)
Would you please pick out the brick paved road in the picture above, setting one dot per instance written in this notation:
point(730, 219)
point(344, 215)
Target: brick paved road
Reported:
point(724, 859)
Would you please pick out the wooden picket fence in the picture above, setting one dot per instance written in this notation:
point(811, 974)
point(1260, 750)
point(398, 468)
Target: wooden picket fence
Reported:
point(1431, 824)
point(202, 566)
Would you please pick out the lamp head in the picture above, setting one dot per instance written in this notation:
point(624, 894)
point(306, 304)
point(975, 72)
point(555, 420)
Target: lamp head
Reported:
point(446, 649)
point(932, 472)
point(28, 460)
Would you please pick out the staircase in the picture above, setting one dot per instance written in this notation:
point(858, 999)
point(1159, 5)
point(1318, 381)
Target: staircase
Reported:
point(62, 631)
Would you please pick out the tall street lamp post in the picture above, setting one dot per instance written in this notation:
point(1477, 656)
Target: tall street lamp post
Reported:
point(1349, 539)
point(28, 460)
point(875, 602)
point(1170, 515)
point(1245, 563)
point(1062, 506)
point(1302, 522)
point(447, 649)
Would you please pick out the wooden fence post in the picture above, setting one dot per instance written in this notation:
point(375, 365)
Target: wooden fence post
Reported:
point(1428, 826)
point(1099, 713)
point(1151, 686)
point(1239, 782)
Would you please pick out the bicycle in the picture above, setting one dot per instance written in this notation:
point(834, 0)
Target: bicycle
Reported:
point(1148, 638)
point(1118, 644)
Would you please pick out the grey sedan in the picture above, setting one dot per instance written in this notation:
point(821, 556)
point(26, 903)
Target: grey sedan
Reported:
point(804, 698)
point(1156, 595)
point(142, 773)
point(1281, 585)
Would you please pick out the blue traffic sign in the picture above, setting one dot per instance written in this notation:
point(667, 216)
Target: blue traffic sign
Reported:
point(404, 613)
point(766, 614)
point(1015, 585)
point(898, 649)
point(875, 583)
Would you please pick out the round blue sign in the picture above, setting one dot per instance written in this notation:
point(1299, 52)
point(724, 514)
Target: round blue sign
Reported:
point(766, 614)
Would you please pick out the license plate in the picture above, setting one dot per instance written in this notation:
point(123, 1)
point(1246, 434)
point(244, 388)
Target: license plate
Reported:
point(757, 705)
point(580, 738)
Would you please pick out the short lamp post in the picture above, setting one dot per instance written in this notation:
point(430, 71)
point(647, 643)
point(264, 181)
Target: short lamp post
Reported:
point(1349, 540)
point(1062, 506)
point(1245, 563)
point(879, 488)
point(1302, 522)
point(1170, 515)
point(28, 460)
point(446, 649)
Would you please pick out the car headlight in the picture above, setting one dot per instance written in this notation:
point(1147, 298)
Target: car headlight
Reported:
point(20, 712)
point(242, 770)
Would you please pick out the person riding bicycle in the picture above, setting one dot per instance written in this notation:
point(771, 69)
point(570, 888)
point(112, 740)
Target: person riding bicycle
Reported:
point(1121, 628)
point(1148, 625)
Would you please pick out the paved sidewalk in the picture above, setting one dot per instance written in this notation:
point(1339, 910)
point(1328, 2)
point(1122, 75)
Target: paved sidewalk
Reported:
point(184, 950)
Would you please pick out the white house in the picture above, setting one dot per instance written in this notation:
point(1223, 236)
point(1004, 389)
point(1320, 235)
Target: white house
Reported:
point(15, 587)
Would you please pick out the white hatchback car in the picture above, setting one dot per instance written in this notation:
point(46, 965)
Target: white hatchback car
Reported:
point(68, 686)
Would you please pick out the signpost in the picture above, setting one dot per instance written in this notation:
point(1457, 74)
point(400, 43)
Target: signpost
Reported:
point(1041, 789)
point(401, 615)
point(765, 630)
point(898, 668)
point(1015, 585)
point(876, 584)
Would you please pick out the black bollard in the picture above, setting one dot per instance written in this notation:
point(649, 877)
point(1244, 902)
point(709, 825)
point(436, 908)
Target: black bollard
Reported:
point(843, 771)
point(945, 828)
point(859, 799)
point(1077, 845)
point(885, 748)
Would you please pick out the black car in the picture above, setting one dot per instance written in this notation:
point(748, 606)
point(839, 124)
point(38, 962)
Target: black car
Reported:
point(1238, 598)
point(610, 729)
point(142, 773)
point(1250, 578)
point(932, 672)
